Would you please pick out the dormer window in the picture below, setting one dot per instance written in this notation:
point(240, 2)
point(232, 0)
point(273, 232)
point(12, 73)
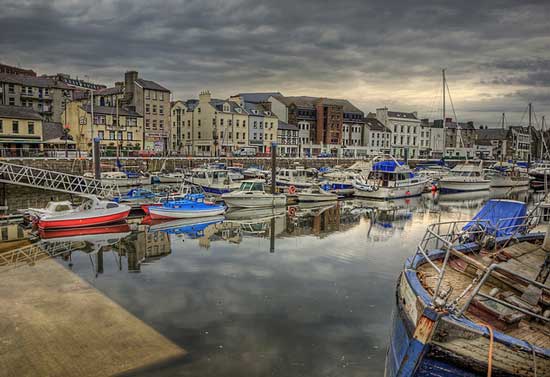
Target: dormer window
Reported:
point(226, 108)
point(255, 112)
point(268, 113)
point(237, 109)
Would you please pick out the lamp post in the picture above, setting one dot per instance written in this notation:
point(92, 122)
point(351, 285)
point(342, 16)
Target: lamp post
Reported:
point(66, 127)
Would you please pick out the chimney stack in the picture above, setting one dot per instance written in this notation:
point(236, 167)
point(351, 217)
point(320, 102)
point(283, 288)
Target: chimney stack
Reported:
point(130, 78)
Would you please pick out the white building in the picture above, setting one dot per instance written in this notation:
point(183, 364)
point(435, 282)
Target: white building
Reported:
point(376, 137)
point(406, 131)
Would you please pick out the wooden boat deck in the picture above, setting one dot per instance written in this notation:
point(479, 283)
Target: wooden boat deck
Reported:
point(524, 258)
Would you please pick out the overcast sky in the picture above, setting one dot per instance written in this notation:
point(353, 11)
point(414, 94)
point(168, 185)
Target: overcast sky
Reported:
point(374, 53)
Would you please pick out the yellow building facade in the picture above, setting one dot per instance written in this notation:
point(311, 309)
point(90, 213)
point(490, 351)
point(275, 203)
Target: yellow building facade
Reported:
point(20, 130)
point(116, 128)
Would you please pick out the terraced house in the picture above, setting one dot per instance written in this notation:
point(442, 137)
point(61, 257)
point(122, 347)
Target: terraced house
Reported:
point(117, 129)
point(406, 131)
point(20, 130)
point(45, 95)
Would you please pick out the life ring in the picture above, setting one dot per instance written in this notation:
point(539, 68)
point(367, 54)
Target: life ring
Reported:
point(292, 211)
point(292, 190)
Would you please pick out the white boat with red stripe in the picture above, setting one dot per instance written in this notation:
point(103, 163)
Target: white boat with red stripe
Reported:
point(92, 212)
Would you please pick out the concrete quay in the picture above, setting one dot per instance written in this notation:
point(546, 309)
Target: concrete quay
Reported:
point(56, 324)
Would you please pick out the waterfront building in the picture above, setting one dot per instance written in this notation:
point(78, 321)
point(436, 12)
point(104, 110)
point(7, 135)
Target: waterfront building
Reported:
point(45, 95)
point(506, 143)
point(109, 96)
point(460, 138)
point(177, 108)
point(406, 131)
point(20, 130)
point(12, 70)
point(376, 137)
point(117, 129)
point(287, 139)
point(76, 82)
point(436, 146)
point(214, 127)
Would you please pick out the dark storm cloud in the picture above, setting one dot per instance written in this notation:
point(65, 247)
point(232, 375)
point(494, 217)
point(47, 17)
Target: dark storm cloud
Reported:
point(373, 52)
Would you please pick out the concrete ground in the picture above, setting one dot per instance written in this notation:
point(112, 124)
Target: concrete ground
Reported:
point(53, 323)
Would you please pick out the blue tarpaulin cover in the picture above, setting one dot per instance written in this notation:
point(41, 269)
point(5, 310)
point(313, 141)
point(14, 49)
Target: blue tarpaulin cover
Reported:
point(387, 166)
point(507, 215)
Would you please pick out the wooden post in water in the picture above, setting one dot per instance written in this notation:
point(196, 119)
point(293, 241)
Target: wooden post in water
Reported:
point(273, 167)
point(97, 163)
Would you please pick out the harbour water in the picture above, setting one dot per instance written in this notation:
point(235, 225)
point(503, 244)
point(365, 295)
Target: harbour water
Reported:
point(305, 291)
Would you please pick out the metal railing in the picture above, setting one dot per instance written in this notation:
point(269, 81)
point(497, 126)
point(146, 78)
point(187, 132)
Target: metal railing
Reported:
point(446, 236)
point(55, 181)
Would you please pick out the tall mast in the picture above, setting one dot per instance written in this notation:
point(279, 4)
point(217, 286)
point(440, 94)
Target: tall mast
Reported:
point(444, 128)
point(502, 144)
point(529, 130)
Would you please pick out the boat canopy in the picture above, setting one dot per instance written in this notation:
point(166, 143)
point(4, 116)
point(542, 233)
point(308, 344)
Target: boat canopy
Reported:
point(500, 218)
point(387, 165)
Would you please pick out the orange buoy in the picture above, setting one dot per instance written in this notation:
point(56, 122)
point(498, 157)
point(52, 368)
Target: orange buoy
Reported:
point(292, 211)
point(292, 190)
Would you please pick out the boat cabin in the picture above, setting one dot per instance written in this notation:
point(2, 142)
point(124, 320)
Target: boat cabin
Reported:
point(255, 185)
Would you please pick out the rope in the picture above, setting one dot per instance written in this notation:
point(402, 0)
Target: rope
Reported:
point(490, 356)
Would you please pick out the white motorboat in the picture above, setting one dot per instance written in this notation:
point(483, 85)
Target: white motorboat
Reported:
point(389, 179)
point(316, 194)
point(252, 194)
point(300, 178)
point(339, 181)
point(193, 205)
point(92, 212)
point(169, 177)
point(253, 172)
point(235, 173)
point(214, 181)
point(504, 175)
point(465, 177)
point(120, 179)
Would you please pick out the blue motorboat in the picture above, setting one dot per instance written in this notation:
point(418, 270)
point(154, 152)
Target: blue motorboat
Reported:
point(136, 195)
point(192, 205)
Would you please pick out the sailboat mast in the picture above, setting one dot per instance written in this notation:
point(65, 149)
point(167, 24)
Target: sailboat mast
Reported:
point(444, 128)
point(502, 144)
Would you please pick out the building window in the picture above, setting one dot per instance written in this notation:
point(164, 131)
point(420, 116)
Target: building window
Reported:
point(154, 124)
point(161, 96)
point(147, 94)
point(236, 135)
point(161, 124)
point(237, 123)
point(147, 124)
point(229, 123)
point(244, 123)
point(111, 135)
point(199, 122)
point(154, 109)
point(101, 135)
point(1, 126)
point(188, 123)
point(189, 135)
point(147, 109)
point(15, 127)
point(154, 94)
point(161, 110)
point(31, 128)
point(131, 122)
point(12, 101)
point(119, 135)
point(199, 134)
point(230, 135)
point(221, 122)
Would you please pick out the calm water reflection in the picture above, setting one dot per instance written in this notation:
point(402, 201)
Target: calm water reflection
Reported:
point(303, 292)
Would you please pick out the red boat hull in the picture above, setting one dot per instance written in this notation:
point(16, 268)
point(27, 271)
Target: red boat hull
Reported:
point(119, 228)
point(145, 207)
point(84, 222)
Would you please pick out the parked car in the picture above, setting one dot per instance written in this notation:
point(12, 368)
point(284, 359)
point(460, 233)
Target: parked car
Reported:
point(245, 152)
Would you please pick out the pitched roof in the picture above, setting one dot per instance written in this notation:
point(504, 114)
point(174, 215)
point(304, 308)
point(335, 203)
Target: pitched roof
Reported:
point(108, 110)
point(375, 125)
point(258, 97)
point(148, 84)
point(109, 91)
point(401, 114)
point(40, 82)
point(233, 106)
point(19, 112)
point(250, 107)
point(286, 126)
point(311, 102)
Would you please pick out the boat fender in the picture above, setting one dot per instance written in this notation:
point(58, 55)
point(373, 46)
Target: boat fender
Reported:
point(292, 211)
point(494, 292)
point(292, 190)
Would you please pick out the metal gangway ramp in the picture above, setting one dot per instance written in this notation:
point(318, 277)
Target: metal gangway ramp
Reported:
point(52, 180)
point(32, 254)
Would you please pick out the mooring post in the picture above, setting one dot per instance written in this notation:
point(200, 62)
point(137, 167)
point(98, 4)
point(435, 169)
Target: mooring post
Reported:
point(273, 167)
point(97, 164)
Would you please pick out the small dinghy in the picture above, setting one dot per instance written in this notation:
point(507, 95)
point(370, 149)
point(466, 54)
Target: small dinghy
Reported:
point(316, 194)
point(193, 205)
